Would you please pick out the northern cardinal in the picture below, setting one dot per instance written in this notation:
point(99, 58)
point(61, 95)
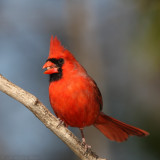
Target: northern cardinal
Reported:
point(76, 99)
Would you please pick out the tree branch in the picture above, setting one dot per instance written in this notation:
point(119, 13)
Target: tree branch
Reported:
point(47, 118)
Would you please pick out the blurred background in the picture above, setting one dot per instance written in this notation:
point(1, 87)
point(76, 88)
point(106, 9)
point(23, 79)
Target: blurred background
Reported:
point(117, 41)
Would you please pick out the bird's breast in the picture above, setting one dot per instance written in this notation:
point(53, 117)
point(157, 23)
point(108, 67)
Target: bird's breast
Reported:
point(75, 101)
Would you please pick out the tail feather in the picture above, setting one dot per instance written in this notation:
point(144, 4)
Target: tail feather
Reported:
point(116, 130)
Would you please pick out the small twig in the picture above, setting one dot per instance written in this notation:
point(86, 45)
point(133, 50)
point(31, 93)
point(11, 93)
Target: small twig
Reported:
point(47, 118)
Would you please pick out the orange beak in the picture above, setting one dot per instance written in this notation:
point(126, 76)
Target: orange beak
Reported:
point(51, 68)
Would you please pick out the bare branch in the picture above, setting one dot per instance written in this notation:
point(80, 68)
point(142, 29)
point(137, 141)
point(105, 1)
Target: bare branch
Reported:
point(46, 117)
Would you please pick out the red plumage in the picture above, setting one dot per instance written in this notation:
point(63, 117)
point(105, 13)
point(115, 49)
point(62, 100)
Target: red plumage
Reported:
point(76, 99)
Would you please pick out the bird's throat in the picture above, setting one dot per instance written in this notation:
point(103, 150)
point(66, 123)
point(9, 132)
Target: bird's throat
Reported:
point(55, 76)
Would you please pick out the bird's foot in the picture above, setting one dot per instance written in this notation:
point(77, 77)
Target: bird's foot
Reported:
point(61, 122)
point(85, 145)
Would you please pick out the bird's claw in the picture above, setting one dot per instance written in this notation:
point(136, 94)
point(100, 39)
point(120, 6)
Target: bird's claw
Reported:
point(61, 122)
point(85, 145)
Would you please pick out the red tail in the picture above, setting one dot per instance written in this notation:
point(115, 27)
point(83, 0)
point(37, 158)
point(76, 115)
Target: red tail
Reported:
point(116, 130)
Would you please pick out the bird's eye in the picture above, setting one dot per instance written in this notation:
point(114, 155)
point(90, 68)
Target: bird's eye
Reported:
point(61, 61)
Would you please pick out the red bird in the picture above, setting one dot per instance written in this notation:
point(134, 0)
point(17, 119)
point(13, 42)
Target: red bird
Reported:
point(76, 99)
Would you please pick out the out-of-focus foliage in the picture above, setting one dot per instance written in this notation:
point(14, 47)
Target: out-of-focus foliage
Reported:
point(149, 33)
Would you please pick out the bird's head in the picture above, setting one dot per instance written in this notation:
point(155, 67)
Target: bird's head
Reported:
point(60, 61)
point(58, 56)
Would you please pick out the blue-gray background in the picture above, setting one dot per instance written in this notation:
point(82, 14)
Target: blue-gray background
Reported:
point(117, 41)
